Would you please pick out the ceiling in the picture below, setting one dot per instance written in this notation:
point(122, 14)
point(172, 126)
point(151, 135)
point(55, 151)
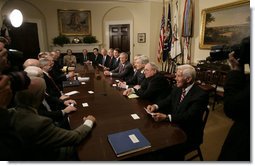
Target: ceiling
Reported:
point(108, 1)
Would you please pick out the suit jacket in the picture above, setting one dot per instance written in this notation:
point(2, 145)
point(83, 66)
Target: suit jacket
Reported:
point(42, 138)
point(51, 86)
point(125, 73)
point(96, 60)
point(116, 63)
point(54, 111)
point(187, 114)
point(136, 79)
point(82, 58)
point(57, 74)
point(107, 61)
point(111, 63)
point(154, 88)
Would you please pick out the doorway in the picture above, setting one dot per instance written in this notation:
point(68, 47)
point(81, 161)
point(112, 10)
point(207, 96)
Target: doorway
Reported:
point(120, 37)
point(25, 39)
point(127, 41)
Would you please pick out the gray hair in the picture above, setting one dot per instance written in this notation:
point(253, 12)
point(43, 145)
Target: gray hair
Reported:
point(188, 71)
point(143, 59)
point(43, 62)
point(125, 54)
point(153, 66)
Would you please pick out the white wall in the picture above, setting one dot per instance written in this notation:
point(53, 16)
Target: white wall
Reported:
point(145, 17)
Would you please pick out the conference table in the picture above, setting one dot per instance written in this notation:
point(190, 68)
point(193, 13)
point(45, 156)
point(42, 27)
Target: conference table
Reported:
point(113, 113)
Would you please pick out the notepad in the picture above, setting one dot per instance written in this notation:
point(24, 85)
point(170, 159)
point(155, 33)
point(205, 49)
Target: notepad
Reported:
point(127, 142)
point(133, 96)
point(71, 93)
point(83, 79)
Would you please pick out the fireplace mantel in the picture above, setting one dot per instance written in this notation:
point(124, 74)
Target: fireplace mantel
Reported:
point(77, 48)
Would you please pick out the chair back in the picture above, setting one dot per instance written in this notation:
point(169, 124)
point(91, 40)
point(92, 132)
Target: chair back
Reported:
point(205, 117)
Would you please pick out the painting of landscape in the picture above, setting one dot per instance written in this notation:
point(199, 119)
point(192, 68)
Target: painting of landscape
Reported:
point(226, 26)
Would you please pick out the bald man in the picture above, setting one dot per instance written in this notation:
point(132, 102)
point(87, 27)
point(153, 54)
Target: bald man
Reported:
point(42, 139)
point(31, 62)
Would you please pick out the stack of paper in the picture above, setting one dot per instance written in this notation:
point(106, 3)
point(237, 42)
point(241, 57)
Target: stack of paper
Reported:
point(83, 79)
point(133, 96)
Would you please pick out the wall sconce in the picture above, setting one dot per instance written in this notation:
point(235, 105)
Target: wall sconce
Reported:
point(16, 18)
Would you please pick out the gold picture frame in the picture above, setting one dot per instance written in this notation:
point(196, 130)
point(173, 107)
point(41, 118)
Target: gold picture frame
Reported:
point(74, 22)
point(226, 24)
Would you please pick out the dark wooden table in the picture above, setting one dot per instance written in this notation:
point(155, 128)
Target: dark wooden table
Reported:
point(113, 112)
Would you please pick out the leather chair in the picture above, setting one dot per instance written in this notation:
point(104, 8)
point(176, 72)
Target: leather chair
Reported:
point(197, 148)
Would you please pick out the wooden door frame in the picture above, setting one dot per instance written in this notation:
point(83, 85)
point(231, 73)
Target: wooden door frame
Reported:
point(107, 35)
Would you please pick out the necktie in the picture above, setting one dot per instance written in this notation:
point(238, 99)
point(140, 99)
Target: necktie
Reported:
point(183, 95)
point(54, 84)
point(46, 105)
point(103, 60)
point(121, 68)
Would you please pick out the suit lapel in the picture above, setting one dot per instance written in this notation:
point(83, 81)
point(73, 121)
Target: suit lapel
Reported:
point(186, 99)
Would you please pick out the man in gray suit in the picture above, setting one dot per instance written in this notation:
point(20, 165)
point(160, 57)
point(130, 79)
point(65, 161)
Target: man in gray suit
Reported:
point(125, 69)
point(42, 139)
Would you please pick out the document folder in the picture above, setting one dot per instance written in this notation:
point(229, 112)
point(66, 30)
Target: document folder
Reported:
point(127, 142)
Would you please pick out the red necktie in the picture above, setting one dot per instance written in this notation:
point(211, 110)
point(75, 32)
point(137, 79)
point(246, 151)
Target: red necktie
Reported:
point(183, 95)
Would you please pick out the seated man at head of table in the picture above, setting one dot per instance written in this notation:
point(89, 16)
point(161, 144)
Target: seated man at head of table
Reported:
point(184, 106)
point(42, 139)
point(154, 87)
point(125, 69)
point(138, 77)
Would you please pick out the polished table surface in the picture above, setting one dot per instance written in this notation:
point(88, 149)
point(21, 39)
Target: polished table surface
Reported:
point(113, 112)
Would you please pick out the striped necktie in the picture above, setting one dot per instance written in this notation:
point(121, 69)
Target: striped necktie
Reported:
point(121, 68)
point(182, 95)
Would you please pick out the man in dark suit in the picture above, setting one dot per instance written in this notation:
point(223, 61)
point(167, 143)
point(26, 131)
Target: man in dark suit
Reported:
point(52, 89)
point(154, 87)
point(106, 59)
point(56, 71)
point(84, 58)
point(139, 76)
point(116, 54)
point(125, 69)
point(42, 139)
point(184, 106)
point(96, 58)
point(112, 60)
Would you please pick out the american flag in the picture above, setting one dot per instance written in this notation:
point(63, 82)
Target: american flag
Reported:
point(161, 35)
point(168, 36)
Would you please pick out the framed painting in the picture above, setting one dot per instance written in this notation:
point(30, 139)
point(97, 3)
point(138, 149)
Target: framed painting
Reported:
point(141, 37)
point(226, 24)
point(74, 22)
